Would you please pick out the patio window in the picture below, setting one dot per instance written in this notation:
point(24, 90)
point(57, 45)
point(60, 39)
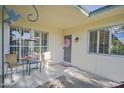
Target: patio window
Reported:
point(104, 41)
point(118, 40)
point(108, 40)
point(93, 42)
point(20, 44)
point(41, 44)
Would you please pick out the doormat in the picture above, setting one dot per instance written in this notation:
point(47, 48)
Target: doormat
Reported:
point(65, 65)
point(67, 82)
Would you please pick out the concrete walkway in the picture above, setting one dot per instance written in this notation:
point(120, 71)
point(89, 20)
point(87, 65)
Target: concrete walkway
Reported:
point(54, 71)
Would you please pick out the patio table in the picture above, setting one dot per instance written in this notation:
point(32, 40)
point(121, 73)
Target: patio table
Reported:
point(28, 60)
point(23, 62)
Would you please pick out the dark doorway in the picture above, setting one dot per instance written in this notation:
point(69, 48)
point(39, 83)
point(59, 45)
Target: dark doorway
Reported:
point(67, 48)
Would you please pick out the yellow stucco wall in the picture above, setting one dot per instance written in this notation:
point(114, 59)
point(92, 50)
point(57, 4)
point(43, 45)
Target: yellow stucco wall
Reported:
point(111, 67)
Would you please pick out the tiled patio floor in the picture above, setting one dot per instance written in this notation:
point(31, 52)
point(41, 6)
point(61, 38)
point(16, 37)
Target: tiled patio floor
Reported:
point(53, 71)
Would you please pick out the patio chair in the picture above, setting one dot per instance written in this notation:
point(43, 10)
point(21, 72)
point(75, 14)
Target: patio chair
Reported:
point(11, 61)
point(46, 59)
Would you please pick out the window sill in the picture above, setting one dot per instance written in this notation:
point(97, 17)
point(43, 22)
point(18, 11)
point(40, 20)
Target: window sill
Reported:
point(109, 55)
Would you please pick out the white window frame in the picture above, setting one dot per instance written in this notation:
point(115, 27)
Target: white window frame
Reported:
point(32, 32)
point(20, 46)
point(110, 40)
point(89, 41)
point(40, 46)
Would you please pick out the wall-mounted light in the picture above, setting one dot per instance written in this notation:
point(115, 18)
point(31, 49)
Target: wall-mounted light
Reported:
point(76, 39)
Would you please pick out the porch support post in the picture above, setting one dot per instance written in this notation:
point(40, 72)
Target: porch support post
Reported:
point(3, 7)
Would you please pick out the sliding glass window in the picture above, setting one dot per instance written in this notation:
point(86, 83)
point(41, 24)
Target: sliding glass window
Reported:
point(93, 42)
point(24, 42)
point(104, 41)
point(107, 40)
point(117, 40)
point(41, 44)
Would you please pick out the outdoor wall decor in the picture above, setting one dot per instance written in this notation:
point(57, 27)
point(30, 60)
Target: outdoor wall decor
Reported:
point(67, 42)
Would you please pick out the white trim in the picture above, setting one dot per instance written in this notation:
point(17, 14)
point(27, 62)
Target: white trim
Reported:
point(100, 28)
point(110, 40)
point(120, 56)
point(98, 36)
point(88, 42)
point(20, 46)
point(93, 41)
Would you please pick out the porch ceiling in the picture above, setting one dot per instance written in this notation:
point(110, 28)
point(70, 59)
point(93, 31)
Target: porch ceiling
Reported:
point(60, 16)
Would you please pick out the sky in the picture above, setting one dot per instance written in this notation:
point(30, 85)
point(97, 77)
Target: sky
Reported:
point(92, 8)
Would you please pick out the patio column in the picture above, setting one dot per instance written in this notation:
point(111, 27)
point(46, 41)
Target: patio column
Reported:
point(3, 7)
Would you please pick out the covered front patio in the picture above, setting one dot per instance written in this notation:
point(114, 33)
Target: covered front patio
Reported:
point(71, 37)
